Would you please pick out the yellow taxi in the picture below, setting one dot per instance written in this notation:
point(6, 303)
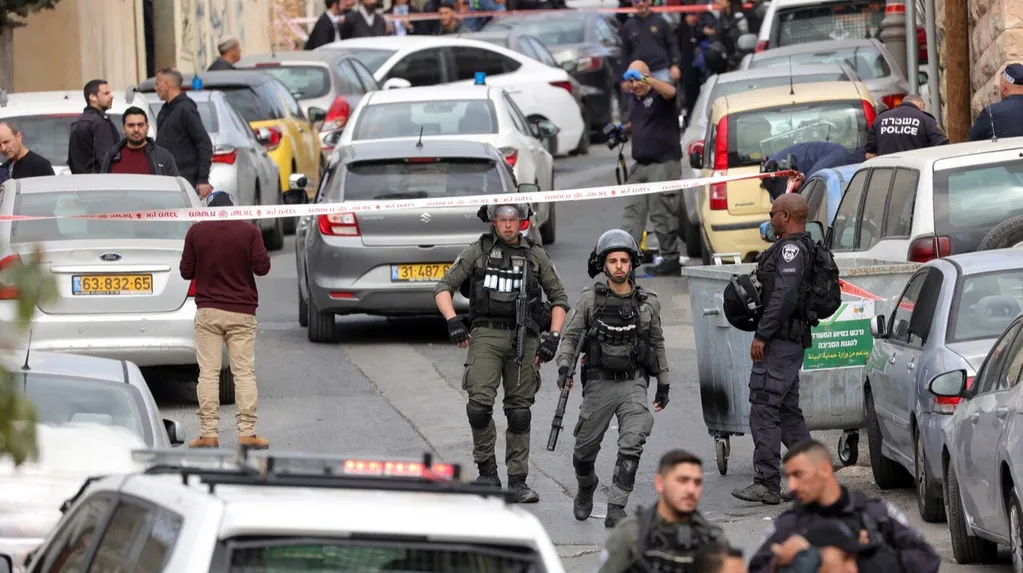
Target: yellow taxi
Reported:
point(747, 127)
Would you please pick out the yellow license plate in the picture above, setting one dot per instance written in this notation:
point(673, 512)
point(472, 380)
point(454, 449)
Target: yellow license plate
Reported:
point(413, 273)
point(112, 284)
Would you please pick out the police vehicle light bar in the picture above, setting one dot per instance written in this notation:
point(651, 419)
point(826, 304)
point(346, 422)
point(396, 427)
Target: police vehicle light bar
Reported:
point(197, 459)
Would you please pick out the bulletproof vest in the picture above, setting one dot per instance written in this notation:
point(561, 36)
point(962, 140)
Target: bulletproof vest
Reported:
point(497, 278)
point(882, 559)
point(795, 328)
point(662, 548)
point(619, 344)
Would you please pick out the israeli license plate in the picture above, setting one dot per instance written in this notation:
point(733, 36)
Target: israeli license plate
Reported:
point(111, 284)
point(416, 273)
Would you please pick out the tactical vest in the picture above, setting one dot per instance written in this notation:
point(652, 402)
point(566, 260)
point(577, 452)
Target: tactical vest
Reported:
point(620, 343)
point(796, 328)
point(883, 559)
point(658, 551)
point(496, 280)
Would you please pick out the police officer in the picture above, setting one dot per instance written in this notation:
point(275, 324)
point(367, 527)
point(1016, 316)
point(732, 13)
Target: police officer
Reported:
point(779, 341)
point(622, 351)
point(1005, 118)
point(492, 269)
point(811, 477)
point(648, 36)
point(666, 536)
point(905, 127)
point(807, 158)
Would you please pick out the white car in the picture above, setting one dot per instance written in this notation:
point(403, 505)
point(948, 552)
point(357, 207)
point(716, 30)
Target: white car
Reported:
point(468, 113)
point(45, 119)
point(540, 91)
point(293, 512)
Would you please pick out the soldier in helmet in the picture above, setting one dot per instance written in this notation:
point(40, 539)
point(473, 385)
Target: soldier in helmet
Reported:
point(489, 273)
point(625, 347)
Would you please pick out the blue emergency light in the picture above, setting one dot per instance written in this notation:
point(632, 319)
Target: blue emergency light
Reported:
point(481, 78)
point(196, 83)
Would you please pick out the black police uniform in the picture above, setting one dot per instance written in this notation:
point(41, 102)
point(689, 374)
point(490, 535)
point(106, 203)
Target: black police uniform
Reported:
point(900, 548)
point(652, 40)
point(808, 158)
point(775, 415)
point(1006, 117)
point(904, 128)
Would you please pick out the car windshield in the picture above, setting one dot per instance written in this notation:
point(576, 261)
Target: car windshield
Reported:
point(371, 58)
point(421, 178)
point(844, 20)
point(304, 82)
point(65, 203)
point(977, 197)
point(550, 31)
point(62, 400)
point(206, 113)
point(867, 61)
point(723, 89)
point(756, 134)
point(48, 135)
point(987, 305)
point(285, 556)
point(406, 119)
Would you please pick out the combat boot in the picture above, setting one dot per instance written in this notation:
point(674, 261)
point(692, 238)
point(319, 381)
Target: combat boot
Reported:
point(615, 513)
point(520, 492)
point(488, 472)
point(666, 268)
point(583, 506)
point(757, 492)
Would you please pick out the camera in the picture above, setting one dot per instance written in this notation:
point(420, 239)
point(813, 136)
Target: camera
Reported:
point(615, 135)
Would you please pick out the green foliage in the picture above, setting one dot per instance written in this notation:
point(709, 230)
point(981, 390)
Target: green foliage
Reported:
point(14, 12)
point(18, 415)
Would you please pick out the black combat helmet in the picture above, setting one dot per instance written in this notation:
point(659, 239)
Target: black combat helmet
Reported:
point(609, 242)
point(742, 304)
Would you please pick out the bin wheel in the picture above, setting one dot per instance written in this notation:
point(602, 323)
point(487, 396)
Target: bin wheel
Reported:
point(721, 450)
point(849, 448)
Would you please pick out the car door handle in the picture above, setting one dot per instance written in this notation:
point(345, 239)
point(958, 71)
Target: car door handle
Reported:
point(1002, 412)
point(911, 366)
point(974, 417)
point(891, 359)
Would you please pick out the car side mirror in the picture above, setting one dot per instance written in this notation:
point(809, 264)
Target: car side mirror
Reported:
point(316, 115)
point(6, 563)
point(396, 83)
point(922, 78)
point(816, 230)
point(263, 136)
point(879, 326)
point(949, 384)
point(528, 188)
point(767, 233)
point(546, 128)
point(569, 66)
point(129, 94)
point(175, 433)
point(746, 42)
point(295, 197)
point(696, 154)
point(297, 181)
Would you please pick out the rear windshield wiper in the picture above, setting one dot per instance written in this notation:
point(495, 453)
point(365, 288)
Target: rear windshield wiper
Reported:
point(403, 195)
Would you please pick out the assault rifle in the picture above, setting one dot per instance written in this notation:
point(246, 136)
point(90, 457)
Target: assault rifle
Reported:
point(522, 316)
point(559, 412)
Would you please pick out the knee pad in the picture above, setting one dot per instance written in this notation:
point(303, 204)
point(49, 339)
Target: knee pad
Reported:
point(625, 472)
point(582, 468)
point(479, 415)
point(518, 420)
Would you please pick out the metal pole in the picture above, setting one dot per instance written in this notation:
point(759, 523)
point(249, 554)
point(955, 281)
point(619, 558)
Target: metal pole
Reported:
point(912, 49)
point(893, 33)
point(933, 81)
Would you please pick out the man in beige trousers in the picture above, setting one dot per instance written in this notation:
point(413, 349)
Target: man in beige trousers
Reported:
point(223, 258)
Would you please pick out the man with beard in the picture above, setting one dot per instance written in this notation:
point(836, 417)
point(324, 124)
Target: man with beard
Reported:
point(666, 536)
point(136, 152)
point(364, 22)
point(92, 134)
point(624, 347)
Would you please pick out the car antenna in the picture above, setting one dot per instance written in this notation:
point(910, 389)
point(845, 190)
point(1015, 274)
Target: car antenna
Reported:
point(419, 144)
point(991, 118)
point(792, 88)
point(28, 351)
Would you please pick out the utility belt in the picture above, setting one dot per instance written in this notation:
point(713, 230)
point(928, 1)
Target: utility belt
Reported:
point(502, 324)
point(614, 376)
point(794, 330)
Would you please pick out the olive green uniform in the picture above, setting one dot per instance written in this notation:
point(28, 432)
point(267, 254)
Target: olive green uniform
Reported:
point(491, 357)
point(614, 393)
point(667, 547)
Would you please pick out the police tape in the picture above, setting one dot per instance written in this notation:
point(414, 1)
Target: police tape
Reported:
point(248, 213)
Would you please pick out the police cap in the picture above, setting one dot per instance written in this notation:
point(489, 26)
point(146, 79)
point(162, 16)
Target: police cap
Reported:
point(612, 241)
point(742, 303)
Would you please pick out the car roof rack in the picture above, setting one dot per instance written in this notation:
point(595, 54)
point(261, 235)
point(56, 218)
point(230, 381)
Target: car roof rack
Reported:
point(249, 467)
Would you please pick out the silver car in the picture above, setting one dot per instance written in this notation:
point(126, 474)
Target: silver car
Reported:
point(241, 165)
point(872, 62)
point(947, 318)
point(388, 263)
point(119, 294)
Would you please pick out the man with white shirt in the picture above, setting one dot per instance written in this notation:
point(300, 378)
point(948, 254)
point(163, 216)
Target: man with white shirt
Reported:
point(325, 31)
point(363, 22)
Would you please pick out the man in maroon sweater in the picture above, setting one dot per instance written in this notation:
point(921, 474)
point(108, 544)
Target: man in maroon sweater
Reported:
point(223, 257)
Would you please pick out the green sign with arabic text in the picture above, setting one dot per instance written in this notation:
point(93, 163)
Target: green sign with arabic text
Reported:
point(843, 339)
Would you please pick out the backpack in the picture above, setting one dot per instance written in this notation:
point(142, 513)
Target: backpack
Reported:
point(823, 292)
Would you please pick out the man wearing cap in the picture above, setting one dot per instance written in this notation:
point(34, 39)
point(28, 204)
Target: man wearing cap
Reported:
point(491, 273)
point(905, 127)
point(1005, 118)
point(893, 546)
point(230, 52)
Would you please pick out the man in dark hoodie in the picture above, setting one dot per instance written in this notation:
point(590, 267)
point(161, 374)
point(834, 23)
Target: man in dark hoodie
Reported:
point(136, 153)
point(92, 134)
point(180, 131)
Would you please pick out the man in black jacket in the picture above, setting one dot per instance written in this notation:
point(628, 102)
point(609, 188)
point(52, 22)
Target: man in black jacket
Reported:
point(92, 134)
point(811, 478)
point(648, 37)
point(180, 131)
point(137, 153)
point(905, 127)
point(325, 30)
point(230, 52)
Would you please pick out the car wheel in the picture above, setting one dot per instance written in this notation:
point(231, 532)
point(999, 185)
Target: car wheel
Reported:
point(932, 509)
point(1005, 235)
point(888, 474)
point(690, 232)
point(547, 231)
point(584, 140)
point(303, 309)
point(226, 386)
point(1016, 533)
point(274, 238)
point(321, 326)
point(288, 224)
point(966, 548)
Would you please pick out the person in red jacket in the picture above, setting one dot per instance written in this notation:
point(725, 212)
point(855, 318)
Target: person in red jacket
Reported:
point(224, 258)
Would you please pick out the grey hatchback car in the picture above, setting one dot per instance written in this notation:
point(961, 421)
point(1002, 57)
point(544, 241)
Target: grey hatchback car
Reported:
point(387, 263)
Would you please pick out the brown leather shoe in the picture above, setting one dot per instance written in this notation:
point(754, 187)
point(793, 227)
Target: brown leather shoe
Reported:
point(254, 442)
point(204, 443)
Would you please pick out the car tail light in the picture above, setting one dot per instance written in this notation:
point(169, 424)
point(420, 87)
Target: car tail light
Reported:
point(921, 45)
point(9, 292)
point(191, 288)
point(511, 155)
point(588, 64)
point(225, 154)
point(339, 225)
point(869, 113)
point(719, 191)
point(892, 100)
point(761, 46)
point(922, 249)
point(563, 85)
point(422, 160)
point(276, 135)
point(337, 115)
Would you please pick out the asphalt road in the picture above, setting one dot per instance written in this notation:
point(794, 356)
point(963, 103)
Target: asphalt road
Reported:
point(392, 388)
